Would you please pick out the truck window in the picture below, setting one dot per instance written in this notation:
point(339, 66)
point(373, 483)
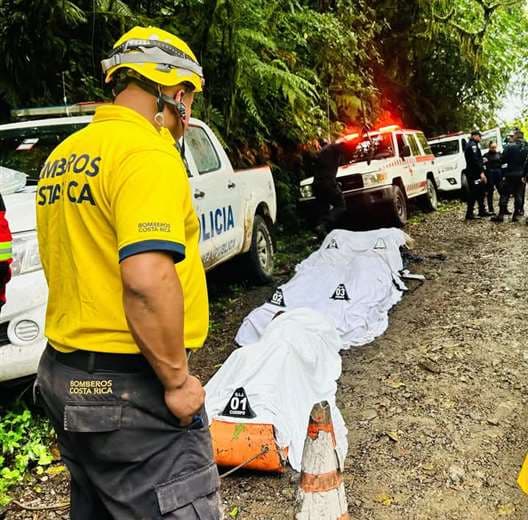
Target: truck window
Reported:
point(413, 144)
point(401, 144)
point(425, 145)
point(202, 149)
point(488, 137)
point(377, 146)
point(446, 148)
point(26, 149)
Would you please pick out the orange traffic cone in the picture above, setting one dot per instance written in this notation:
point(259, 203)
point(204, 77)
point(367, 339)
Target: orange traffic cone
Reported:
point(321, 489)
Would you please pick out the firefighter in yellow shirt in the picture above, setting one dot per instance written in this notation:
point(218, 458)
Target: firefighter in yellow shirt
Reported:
point(119, 240)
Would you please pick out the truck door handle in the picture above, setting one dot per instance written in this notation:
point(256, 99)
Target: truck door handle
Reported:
point(198, 194)
point(231, 185)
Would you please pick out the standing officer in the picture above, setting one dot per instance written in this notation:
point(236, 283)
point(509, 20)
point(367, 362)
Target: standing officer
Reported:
point(329, 198)
point(493, 170)
point(475, 176)
point(514, 161)
point(115, 215)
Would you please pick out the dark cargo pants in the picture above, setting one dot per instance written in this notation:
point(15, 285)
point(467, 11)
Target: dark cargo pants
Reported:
point(475, 195)
point(512, 186)
point(331, 206)
point(128, 456)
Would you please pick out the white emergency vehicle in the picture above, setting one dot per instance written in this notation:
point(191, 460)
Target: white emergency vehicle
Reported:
point(449, 152)
point(236, 209)
point(389, 167)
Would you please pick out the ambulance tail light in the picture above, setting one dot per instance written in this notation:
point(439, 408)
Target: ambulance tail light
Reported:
point(26, 257)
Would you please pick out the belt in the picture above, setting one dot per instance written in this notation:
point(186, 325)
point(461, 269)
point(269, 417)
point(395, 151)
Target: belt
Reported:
point(94, 361)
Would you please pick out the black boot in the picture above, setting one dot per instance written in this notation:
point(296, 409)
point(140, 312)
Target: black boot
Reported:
point(498, 218)
point(507, 212)
point(515, 217)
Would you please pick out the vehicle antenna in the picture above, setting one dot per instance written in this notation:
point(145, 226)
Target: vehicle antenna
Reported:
point(366, 129)
point(64, 98)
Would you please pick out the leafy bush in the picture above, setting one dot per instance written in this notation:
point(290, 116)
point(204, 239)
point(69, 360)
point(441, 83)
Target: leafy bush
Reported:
point(25, 438)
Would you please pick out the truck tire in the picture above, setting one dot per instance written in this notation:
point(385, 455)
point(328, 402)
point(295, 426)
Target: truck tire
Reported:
point(259, 258)
point(397, 211)
point(429, 201)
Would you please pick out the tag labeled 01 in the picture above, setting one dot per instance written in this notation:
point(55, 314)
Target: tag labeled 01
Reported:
point(238, 406)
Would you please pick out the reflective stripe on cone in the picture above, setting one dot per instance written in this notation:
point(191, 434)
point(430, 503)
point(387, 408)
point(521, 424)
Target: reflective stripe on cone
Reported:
point(321, 489)
point(237, 443)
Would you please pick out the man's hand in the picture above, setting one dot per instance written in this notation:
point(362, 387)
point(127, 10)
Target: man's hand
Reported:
point(483, 178)
point(186, 400)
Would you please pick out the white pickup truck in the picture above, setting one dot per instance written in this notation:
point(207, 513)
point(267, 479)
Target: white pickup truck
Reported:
point(236, 209)
point(388, 168)
point(449, 152)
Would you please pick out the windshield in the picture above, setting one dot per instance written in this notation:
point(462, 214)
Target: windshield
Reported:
point(379, 146)
point(445, 148)
point(26, 149)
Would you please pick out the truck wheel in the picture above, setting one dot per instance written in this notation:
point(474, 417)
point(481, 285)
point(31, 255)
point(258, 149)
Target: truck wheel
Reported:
point(259, 258)
point(397, 212)
point(429, 201)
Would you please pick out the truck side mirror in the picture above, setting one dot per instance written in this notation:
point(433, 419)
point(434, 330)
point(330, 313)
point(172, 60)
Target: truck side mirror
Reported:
point(406, 151)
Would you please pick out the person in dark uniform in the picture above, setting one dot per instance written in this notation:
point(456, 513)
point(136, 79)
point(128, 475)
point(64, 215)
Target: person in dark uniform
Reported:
point(515, 170)
point(493, 170)
point(330, 202)
point(475, 176)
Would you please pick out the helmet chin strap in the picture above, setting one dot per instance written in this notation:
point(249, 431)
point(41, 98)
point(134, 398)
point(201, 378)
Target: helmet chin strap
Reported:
point(161, 101)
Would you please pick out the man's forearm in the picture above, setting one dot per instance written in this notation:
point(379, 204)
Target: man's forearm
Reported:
point(153, 303)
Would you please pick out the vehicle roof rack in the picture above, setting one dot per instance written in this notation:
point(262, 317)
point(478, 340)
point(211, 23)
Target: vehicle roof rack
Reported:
point(443, 136)
point(77, 109)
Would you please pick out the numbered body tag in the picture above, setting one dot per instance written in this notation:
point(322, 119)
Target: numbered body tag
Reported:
point(380, 244)
point(278, 298)
point(238, 406)
point(340, 293)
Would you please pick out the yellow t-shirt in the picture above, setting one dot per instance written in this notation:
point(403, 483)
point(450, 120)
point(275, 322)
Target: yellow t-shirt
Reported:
point(111, 190)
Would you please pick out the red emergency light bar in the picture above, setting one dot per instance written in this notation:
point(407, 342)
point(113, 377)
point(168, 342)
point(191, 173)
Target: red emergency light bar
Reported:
point(389, 128)
point(348, 137)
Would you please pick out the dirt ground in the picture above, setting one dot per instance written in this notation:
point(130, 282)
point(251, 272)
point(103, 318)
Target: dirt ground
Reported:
point(435, 408)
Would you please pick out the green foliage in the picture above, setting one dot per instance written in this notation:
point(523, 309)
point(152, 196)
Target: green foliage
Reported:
point(25, 439)
point(447, 63)
point(281, 73)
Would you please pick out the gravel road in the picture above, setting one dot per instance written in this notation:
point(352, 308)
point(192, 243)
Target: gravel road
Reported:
point(434, 408)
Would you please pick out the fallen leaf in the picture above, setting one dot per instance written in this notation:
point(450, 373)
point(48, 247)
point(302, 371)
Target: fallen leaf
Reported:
point(55, 453)
point(55, 470)
point(430, 366)
point(384, 499)
point(506, 510)
point(395, 383)
point(393, 436)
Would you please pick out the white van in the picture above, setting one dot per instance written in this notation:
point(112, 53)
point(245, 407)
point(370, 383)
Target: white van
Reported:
point(236, 209)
